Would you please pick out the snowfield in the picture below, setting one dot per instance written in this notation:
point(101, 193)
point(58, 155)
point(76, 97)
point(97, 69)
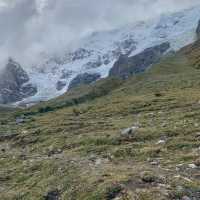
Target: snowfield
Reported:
point(98, 51)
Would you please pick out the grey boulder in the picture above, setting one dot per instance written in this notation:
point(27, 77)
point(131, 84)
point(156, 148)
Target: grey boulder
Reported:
point(129, 132)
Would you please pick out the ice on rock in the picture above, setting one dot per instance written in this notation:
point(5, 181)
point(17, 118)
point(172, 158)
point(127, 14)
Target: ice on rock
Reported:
point(98, 52)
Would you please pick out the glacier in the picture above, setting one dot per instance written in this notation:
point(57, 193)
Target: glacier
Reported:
point(98, 51)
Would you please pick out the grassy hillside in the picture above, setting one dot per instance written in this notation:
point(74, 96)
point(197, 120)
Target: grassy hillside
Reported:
point(72, 147)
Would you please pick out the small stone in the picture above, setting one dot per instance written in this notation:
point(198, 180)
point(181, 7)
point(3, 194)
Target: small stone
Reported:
point(3, 150)
point(148, 177)
point(196, 125)
point(98, 162)
point(193, 166)
point(23, 157)
point(19, 120)
point(117, 198)
point(179, 189)
point(161, 142)
point(24, 132)
point(164, 124)
point(197, 162)
point(92, 158)
point(52, 195)
point(59, 151)
point(185, 198)
point(198, 135)
point(155, 163)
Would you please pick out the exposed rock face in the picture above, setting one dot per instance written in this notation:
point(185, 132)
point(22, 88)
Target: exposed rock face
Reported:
point(127, 66)
point(83, 79)
point(14, 84)
point(60, 85)
point(94, 64)
point(198, 30)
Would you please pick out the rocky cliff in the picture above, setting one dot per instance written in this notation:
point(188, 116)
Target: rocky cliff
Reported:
point(83, 79)
point(14, 83)
point(126, 66)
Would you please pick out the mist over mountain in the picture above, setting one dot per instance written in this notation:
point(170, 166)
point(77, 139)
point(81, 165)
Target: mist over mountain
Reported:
point(33, 29)
point(99, 100)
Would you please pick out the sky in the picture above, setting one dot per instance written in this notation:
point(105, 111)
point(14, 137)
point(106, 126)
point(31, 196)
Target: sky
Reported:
point(30, 29)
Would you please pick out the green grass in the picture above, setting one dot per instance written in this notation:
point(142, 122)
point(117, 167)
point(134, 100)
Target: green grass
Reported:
point(73, 144)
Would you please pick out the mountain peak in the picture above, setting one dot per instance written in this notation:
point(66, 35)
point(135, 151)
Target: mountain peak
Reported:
point(98, 52)
point(14, 84)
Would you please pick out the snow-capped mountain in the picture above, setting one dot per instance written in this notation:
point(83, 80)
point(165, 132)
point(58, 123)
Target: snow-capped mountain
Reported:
point(98, 52)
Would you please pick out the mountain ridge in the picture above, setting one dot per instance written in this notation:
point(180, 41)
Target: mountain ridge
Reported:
point(98, 52)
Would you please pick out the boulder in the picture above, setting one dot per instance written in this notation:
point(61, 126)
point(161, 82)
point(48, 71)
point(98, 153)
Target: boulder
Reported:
point(126, 66)
point(83, 79)
point(14, 84)
point(129, 132)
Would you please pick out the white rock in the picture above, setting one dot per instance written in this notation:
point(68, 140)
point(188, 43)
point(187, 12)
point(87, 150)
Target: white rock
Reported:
point(98, 162)
point(196, 125)
point(193, 166)
point(186, 198)
point(161, 142)
point(155, 163)
point(24, 132)
point(129, 132)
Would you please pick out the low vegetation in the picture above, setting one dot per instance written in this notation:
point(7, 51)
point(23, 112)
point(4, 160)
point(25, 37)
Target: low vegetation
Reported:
point(75, 151)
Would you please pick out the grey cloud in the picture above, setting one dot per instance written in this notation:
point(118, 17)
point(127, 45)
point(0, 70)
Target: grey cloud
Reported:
point(31, 27)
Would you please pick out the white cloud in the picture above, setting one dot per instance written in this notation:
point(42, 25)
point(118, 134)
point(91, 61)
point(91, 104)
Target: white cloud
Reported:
point(30, 27)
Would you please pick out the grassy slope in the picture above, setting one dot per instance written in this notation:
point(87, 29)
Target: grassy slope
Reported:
point(73, 143)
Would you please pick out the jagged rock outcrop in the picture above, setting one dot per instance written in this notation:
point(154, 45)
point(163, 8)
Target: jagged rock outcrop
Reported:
point(60, 85)
point(14, 84)
point(198, 30)
point(83, 79)
point(126, 66)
